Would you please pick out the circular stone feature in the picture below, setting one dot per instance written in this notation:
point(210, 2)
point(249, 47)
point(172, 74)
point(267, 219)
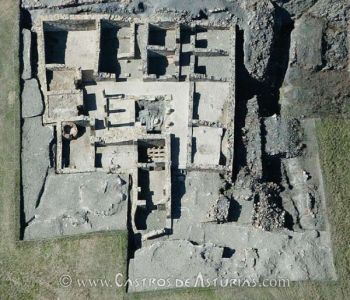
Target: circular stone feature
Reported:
point(69, 130)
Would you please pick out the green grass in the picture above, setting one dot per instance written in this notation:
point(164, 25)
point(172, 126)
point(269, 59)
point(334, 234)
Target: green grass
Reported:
point(31, 270)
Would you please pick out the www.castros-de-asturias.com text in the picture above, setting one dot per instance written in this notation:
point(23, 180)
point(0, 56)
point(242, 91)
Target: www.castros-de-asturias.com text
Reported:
point(200, 280)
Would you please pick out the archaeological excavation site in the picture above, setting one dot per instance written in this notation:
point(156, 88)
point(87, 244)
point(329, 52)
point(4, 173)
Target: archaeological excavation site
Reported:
point(188, 124)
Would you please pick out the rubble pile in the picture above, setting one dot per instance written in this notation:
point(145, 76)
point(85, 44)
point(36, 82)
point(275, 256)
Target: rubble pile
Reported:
point(267, 214)
point(219, 212)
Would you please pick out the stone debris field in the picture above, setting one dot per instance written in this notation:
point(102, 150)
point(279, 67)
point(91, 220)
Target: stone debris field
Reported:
point(188, 125)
